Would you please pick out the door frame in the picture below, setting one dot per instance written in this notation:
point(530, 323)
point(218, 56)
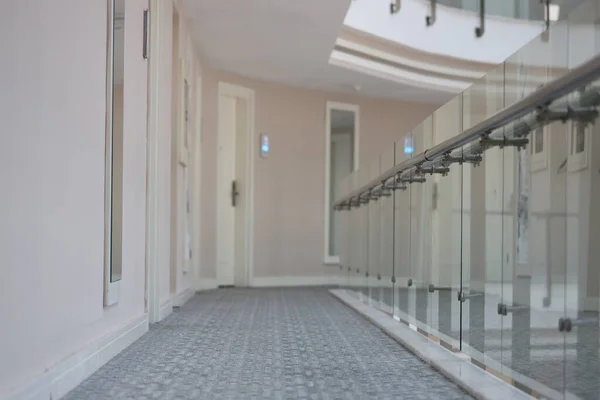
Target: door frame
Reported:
point(232, 90)
point(152, 160)
point(197, 181)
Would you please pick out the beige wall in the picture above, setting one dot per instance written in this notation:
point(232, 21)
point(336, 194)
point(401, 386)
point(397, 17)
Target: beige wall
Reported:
point(52, 166)
point(289, 184)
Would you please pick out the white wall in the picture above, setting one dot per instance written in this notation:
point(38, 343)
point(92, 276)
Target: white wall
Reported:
point(52, 155)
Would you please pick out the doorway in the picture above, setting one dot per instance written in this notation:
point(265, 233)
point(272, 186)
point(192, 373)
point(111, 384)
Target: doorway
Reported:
point(234, 185)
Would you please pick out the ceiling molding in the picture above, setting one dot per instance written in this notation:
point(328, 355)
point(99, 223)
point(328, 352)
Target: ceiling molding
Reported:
point(403, 64)
point(395, 73)
point(368, 54)
point(378, 43)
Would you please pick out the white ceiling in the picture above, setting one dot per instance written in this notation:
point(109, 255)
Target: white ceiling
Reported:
point(288, 42)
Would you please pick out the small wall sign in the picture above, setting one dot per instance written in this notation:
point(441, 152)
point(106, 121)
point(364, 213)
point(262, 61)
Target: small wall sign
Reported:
point(264, 145)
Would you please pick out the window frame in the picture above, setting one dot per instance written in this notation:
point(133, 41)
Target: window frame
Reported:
point(111, 289)
point(329, 259)
point(539, 161)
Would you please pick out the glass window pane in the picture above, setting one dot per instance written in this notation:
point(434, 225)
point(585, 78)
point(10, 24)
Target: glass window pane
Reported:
point(117, 70)
point(341, 165)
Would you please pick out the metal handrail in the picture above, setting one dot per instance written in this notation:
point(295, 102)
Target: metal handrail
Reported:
point(538, 101)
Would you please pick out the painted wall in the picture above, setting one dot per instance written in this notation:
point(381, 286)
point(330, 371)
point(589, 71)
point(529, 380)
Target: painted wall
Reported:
point(52, 159)
point(289, 184)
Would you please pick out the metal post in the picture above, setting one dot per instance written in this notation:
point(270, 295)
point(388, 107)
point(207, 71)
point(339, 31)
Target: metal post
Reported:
point(480, 30)
point(430, 19)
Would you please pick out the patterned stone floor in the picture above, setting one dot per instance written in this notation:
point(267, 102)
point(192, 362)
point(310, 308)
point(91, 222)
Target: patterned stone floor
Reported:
point(266, 344)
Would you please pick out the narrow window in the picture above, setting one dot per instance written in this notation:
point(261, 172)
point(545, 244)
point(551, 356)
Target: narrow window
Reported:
point(114, 150)
point(342, 143)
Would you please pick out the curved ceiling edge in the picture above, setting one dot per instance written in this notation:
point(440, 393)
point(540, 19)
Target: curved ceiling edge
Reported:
point(398, 73)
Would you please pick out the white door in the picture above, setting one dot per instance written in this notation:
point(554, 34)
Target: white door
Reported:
point(241, 201)
point(232, 191)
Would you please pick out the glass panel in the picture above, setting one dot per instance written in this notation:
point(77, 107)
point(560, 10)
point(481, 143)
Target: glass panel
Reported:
point(357, 242)
point(445, 205)
point(533, 10)
point(386, 241)
point(364, 228)
point(482, 231)
point(402, 240)
point(534, 227)
point(582, 278)
point(373, 232)
point(420, 226)
point(345, 230)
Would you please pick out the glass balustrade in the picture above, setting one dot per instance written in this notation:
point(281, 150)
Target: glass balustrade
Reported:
point(495, 256)
point(374, 210)
point(532, 10)
point(386, 237)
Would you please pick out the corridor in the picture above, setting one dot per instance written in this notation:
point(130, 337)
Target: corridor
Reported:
point(266, 344)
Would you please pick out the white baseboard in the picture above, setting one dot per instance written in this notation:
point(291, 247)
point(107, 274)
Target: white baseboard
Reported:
point(183, 297)
point(165, 310)
point(287, 281)
point(65, 376)
point(206, 284)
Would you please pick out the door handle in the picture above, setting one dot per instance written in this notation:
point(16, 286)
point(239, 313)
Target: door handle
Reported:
point(234, 193)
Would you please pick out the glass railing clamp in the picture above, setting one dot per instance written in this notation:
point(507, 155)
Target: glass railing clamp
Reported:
point(567, 324)
point(413, 179)
point(442, 170)
point(504, 309)
point(474, 159)
point(432, 288)
point(488, 142)
point(462, 296)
